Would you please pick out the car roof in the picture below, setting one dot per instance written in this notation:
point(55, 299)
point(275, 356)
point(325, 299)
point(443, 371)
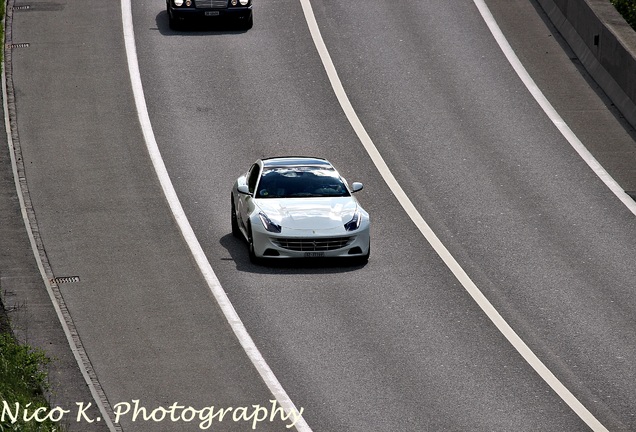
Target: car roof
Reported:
point(290, 161)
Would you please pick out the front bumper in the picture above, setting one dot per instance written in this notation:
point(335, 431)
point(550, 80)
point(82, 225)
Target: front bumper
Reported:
point(310, 245)
point(240, 13)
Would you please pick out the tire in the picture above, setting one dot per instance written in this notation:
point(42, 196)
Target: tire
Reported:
point(365, 258)
point(249, 23)
point(236, 232)
point(174, 23)
point(250, 244)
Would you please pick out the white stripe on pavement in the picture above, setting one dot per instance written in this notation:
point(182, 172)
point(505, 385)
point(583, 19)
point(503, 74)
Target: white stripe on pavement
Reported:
point(430, 236)
point(186, 230)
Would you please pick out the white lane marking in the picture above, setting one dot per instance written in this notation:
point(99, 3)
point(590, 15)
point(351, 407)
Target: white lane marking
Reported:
point(430, 236)
point(547, 107)
point(186, 230)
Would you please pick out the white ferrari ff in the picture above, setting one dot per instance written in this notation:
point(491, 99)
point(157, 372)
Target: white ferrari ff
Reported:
point(299, 207)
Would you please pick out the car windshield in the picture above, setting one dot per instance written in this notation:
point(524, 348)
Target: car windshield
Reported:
point(299, 182)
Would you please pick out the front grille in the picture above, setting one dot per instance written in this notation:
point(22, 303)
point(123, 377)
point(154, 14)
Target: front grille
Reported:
point(211, 4)
point(312, 244)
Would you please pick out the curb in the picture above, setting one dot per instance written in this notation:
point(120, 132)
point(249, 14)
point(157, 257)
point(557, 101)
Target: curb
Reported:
point(604, 42)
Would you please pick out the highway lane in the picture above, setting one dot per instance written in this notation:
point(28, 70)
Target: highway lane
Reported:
point(394, 345)
point(398, 343)
point(141, 310)
point(580, 102)
point(563, 271)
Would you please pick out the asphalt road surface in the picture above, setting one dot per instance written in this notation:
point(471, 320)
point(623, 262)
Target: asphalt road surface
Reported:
point(396, 344)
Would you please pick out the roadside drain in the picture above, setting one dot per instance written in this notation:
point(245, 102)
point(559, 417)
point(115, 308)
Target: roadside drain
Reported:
point(66, 279)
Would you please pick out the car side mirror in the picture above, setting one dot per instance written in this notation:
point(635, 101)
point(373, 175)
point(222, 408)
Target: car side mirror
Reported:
point(356, 186)
point(243, 189)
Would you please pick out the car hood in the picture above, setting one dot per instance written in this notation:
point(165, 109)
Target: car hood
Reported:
point(309, 213)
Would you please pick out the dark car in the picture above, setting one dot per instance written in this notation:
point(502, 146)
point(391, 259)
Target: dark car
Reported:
point(235, 11)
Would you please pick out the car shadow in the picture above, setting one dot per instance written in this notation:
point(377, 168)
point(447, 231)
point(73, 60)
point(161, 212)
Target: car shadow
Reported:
point(237, 248)
point(197, 28)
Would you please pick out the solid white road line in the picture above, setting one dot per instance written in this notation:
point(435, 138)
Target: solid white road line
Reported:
point(184, 225)
point(547, 107)
point(430, 236)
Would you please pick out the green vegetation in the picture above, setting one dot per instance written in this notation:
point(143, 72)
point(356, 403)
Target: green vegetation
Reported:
point(627, 8)
point(22, 382)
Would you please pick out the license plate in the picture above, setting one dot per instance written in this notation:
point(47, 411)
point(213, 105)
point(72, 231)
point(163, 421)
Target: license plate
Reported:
point(314, 254)
point(212, 13)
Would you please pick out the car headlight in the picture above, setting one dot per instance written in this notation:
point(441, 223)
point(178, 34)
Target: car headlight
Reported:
point(244, 2)
point(268, 224)
point(234, 2)
point(354, 223)
point(178, 2)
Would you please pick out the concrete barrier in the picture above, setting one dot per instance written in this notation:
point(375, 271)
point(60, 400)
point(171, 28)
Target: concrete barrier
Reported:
point(605, 44)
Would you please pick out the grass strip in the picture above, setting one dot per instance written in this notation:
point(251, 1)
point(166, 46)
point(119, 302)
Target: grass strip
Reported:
point(23, 381)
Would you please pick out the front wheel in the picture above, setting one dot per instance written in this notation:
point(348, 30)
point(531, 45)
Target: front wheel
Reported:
point(249, 23)
point(365, 258)
point(250, 242)
point(236, 232)
point(173, 22)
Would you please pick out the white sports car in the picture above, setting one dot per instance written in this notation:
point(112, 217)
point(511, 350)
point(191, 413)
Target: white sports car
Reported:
point(299, 207)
